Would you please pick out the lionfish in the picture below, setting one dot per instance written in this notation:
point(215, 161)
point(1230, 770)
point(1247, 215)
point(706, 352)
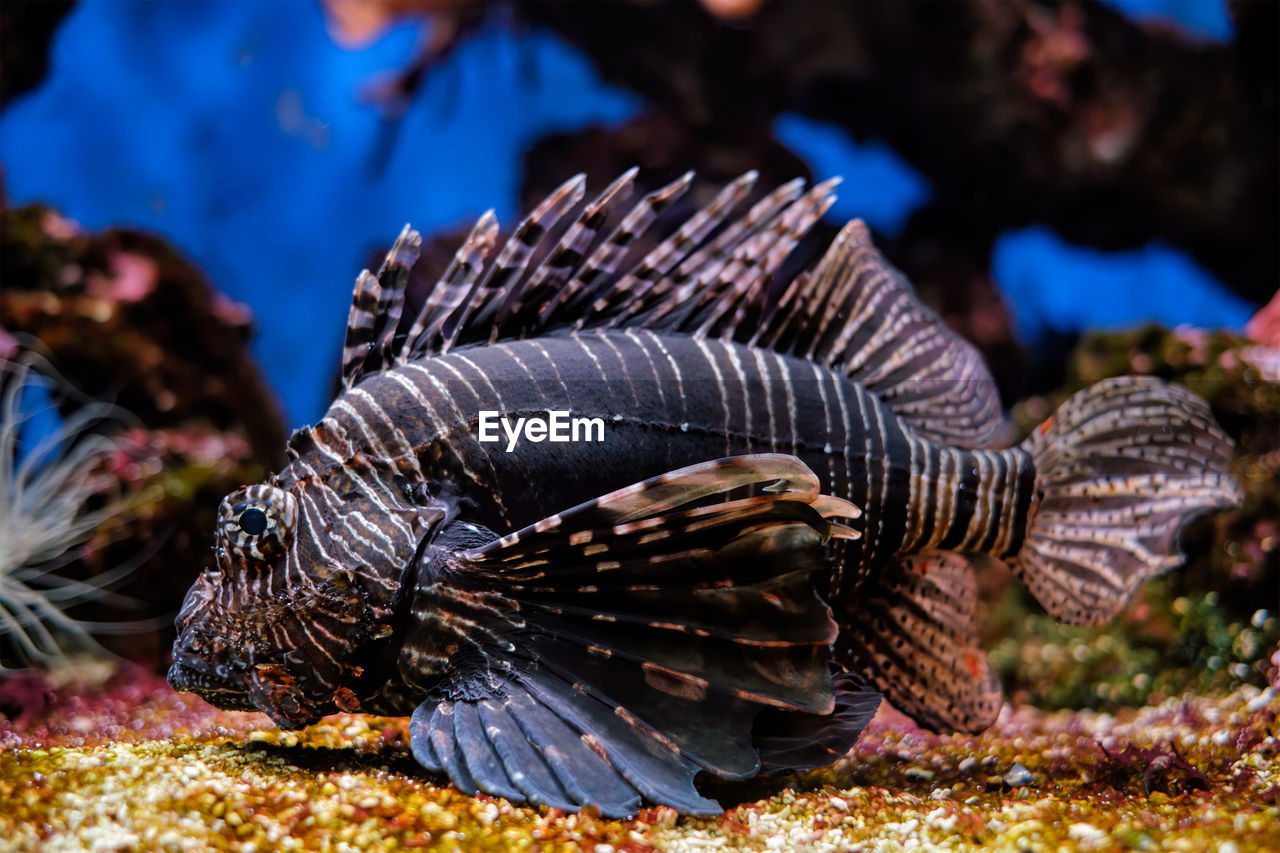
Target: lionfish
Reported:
point(780, 525)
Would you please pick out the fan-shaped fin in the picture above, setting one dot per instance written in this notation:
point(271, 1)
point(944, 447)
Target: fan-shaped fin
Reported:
point(792, 742)
point(1119, 468)
point(431, 737)
point(654, 623)
point(483, 761)
point(653, 546)
point(644, 637)
point(584, 774)
point(523, 764)
point(660, 773)
point(558, 749)
point(420, 738)
point(707, 724)
point(859, 315)
point(655, 497)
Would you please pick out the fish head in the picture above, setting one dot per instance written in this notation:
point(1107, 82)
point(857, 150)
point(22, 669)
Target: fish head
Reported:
point(276, 623)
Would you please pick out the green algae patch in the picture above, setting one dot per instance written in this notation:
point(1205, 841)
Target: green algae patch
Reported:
point(1189, 774)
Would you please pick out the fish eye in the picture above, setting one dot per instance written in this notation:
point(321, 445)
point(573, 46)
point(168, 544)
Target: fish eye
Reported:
point(253, 521)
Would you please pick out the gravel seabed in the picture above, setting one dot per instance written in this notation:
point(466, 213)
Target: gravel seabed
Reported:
point(138, 767)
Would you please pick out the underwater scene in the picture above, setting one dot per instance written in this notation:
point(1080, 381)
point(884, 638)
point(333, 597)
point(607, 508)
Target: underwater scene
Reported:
point(639, 425)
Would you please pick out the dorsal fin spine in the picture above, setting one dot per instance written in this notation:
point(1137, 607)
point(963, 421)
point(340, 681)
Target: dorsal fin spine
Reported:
point(606, 257)
point(565, 258)
point(769, 332)
point(758, 216)
point(393, 278)
point(707, 285)
point(669, 252)
point(376, 305)
point(530, 231)
point(712, 278)
point(754, 263)
point(467, 263)
point(514, 257)
point(833, 282)
point(696, 271)
point(756, 297)
point(360, 323)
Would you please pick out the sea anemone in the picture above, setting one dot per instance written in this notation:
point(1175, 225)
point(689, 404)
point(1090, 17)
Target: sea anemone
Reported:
point(55, 490)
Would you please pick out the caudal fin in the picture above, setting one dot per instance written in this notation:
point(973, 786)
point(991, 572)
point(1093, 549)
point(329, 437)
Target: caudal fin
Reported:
point(1120, 467)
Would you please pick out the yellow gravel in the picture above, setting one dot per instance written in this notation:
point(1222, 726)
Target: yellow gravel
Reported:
point(1063, 781)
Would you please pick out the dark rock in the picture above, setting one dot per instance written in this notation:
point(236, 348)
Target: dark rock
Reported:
point(126, 319)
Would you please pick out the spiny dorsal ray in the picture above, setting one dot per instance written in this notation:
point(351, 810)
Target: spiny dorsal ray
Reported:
point(562, 272)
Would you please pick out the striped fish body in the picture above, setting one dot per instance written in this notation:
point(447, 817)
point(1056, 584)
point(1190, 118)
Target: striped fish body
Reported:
point(779, 522)
point(669, 401)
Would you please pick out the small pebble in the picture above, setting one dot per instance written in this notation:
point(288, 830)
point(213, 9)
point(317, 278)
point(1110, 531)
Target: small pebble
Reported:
point(1262, 700)
point(1088, 836)
point(1017, 776)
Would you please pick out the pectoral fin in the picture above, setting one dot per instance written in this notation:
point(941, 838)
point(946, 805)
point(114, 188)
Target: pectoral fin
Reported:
point(644, 633)
point(790, 742)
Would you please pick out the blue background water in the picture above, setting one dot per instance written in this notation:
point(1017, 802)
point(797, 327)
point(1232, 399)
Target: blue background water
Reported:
point(238, 131)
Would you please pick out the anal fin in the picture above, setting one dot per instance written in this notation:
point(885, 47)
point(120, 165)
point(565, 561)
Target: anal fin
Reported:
point(913, 632)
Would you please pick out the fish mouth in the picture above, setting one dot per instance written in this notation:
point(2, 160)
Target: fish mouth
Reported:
point(270, 688)
point(219, 691)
